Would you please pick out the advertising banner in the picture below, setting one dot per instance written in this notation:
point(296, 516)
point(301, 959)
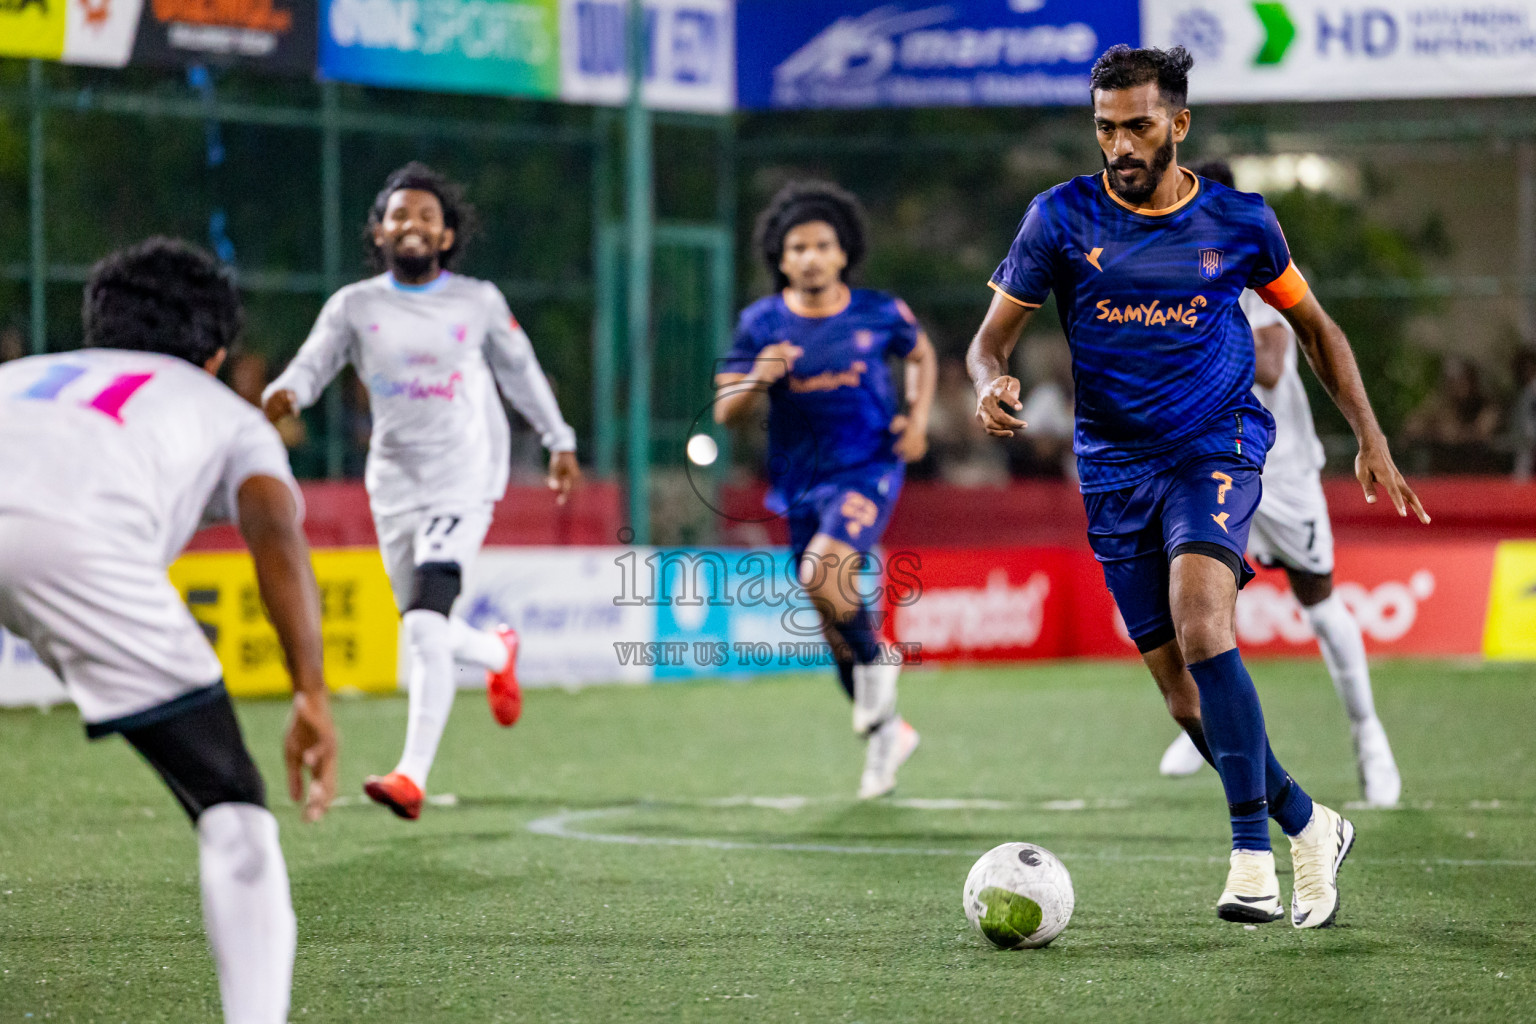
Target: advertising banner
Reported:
point(1408, 599)
point(1331, 50)
point(24, 679)
point(574, 621)
point(276, 35)
point(32, 28)
point(101, 32)
point(498, 47)
point(357, 617)
point(865, 53)
point(734, 611)
point(271, 35)
point(637, 615)
point(1004, 604)
point(690, 47)
point(1023, 603)
point(1511, 632)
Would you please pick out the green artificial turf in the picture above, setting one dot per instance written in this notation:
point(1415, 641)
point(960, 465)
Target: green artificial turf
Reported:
point(719, 909)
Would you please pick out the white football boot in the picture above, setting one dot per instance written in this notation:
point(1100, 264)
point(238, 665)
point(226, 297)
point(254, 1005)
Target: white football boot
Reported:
point(1317, 852)
point(1378, 770)
point(1181, 758)
point(1252, 894)
point(888, 749)
point(874, 695)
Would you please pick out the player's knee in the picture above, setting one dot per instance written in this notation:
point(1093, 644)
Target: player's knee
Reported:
point(240, 837)
point(1310, 588)
point(1204, 625)
point(814, 571)
point(1205, 636)
point(435, 587)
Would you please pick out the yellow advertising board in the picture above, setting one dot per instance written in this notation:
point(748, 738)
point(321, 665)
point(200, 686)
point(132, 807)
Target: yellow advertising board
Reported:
point(32, 28)
point(1510, 634)
point(357, 612)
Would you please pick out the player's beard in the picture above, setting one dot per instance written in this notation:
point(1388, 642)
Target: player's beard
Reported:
point(1139, 194)
point(412, 268)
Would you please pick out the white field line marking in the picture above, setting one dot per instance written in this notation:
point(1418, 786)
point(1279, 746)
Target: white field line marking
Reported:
point(560, 826)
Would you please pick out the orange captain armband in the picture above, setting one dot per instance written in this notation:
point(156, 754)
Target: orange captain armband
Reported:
point(1286, 290)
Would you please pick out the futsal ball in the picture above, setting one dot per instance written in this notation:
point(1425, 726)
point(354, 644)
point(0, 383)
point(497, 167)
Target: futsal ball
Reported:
point(1019, 896)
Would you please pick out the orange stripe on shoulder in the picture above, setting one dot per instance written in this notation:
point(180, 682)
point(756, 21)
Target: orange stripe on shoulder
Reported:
point(1286, 290)
point(1016, 301)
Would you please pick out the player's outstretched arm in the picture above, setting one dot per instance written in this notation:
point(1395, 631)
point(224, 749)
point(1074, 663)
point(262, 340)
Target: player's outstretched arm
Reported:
point(327, 349)
point(269, 521)
point(987, 361)
point(736, 393)
point(1328, 351)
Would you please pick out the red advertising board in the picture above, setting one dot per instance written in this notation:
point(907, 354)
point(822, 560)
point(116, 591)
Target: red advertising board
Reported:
point(1012, 604)
point(1408, 599)
point(989, 604)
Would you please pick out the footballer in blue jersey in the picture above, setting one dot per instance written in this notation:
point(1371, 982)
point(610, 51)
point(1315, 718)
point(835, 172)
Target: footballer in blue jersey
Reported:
point(838, 440)
point(1147, 263)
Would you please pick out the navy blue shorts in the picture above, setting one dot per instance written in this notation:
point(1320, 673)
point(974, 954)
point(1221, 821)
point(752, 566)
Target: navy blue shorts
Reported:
point(854, 508)
point(1204, 505)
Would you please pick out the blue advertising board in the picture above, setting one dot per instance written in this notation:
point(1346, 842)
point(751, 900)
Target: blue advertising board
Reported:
point(966, 53)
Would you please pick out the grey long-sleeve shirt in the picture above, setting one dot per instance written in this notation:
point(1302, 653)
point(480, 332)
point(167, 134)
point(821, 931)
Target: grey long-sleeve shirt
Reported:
point(431, 357)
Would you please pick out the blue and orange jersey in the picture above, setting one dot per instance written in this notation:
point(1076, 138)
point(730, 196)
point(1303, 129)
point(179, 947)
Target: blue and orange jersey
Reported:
point(831, 414)
point(1162, 356)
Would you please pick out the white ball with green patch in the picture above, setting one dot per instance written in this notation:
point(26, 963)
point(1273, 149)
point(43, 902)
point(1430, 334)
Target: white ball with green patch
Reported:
point(1019, 896)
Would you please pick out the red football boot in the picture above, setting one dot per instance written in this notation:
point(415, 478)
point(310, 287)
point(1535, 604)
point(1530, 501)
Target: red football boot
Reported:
point(397, 792)
point(501, 689)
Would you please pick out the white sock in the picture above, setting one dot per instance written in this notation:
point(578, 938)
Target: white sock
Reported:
point(1338, 635)
point(477, 646)
point(432, 691)
point(247, 911)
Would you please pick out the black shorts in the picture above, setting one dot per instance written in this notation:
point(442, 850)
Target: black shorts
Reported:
point(200, 754)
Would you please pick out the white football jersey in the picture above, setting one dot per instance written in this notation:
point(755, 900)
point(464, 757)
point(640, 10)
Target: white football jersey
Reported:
point(431, 357)
point(1297, 451)
point(136, 449)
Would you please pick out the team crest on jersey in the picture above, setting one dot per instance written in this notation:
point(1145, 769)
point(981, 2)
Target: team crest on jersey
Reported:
point(459, 331)
point(1210, 264)
point(863, 340)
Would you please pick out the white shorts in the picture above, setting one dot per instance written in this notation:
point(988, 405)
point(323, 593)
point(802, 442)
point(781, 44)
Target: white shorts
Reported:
point(1291, 526)
point(110, 625)
point(433, 534)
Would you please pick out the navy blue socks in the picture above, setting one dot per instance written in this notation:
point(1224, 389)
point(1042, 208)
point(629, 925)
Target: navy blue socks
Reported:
point(1234, 730)
point(858, 632)
point(845, 676)
point(860, 646)
point(1289, 804)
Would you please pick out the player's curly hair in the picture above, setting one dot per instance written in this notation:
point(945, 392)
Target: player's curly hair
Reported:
point(1123, 67)
point(162, 295)
point(458, 213)
point(802, 202)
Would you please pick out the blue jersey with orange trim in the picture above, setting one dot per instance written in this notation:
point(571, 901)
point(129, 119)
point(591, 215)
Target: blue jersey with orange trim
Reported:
point(1162, 356)
point(831, 414)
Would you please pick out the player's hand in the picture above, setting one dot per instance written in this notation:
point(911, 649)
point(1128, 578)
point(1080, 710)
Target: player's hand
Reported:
point(912, 444)
point(774, 361)
point(280, 405)
point(310, 745)
point(994, 403)
point(564, 474)
point(1374, 468)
